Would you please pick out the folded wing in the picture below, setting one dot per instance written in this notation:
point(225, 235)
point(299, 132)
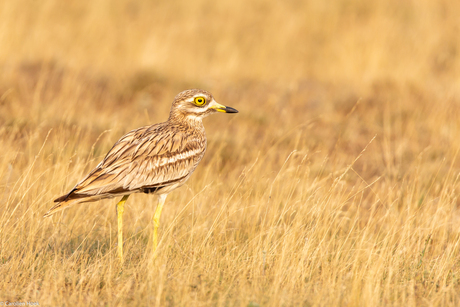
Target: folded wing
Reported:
point(148, 158)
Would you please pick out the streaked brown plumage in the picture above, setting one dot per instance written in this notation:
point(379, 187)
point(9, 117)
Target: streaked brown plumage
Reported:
point(153, 159)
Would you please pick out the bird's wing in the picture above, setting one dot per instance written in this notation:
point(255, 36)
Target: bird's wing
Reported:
point(147, 157)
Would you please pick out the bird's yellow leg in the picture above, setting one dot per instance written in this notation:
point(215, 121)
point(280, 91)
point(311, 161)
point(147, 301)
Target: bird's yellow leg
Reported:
point(120, 210)
point(156, 220)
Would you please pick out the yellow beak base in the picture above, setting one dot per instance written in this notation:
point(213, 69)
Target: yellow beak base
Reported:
point(224, 109)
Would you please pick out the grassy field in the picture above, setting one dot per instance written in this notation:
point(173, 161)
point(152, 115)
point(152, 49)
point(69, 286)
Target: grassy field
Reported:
point(337, 184)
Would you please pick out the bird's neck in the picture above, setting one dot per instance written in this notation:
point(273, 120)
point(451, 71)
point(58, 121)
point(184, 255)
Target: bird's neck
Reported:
point(188, 121)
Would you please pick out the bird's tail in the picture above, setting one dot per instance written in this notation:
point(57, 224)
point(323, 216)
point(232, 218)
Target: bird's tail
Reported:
point(73, 198)
point(61, 206)
point(65, 201)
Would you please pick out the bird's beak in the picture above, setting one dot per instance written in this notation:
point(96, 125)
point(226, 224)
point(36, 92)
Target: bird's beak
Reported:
point(223, 109)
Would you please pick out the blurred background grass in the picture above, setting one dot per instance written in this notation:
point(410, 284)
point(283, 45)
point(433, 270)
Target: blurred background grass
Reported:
point(292, 211)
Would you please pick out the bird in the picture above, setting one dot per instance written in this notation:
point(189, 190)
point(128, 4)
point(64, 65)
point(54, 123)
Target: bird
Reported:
point(154, 159)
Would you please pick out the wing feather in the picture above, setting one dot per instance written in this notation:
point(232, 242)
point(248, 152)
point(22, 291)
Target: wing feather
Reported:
point(143, 158)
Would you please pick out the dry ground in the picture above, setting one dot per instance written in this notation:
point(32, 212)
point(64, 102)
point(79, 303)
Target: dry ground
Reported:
point(337, 184)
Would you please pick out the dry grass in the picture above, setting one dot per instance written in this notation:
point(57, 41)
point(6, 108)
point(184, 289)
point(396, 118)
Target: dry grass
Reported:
point(336, 184)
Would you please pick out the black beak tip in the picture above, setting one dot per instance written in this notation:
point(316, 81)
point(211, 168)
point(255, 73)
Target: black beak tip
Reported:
point(230, 110)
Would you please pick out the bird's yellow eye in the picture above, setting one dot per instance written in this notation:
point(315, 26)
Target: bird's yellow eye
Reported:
point(199, 101)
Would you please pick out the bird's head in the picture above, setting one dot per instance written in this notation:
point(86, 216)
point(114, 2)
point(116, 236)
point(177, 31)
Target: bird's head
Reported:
point(196, 104)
